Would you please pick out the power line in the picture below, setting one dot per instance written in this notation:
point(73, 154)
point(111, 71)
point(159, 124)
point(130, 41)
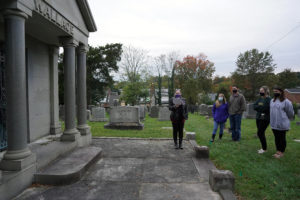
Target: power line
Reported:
point(284, 36)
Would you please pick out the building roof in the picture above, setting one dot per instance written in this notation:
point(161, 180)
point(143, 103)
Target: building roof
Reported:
point(293, 90)
point(87, 15)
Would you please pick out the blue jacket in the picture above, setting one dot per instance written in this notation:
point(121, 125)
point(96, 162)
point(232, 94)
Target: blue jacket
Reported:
point(220, 114)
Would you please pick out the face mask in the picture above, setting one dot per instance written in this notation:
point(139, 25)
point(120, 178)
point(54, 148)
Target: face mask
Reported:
point(262, 94)
point(177, 96)
point(220, 98)
point(234, 91)
point(276, 94)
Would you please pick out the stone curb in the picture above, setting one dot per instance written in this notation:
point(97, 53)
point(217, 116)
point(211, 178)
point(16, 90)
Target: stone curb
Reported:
point(132, 138)
point(202, 152)
point(222, 181)
point(68, 172)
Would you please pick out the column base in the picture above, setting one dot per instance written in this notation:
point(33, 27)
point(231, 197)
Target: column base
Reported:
point(54, 130)
point(70, 135)
point(85, 140)
point(84, 129)
point(18, 164)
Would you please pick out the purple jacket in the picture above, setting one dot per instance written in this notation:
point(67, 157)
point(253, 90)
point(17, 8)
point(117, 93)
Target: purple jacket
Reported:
point(220, 114)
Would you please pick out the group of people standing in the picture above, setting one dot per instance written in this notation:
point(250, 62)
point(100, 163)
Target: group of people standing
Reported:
point(276, 112)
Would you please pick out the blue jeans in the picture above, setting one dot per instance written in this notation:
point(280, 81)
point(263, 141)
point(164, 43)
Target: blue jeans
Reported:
point(235, 125)
point(216, 124)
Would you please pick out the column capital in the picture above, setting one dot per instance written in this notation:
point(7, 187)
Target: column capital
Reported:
point(12, 13)
point(82, 48)
point(68, 42)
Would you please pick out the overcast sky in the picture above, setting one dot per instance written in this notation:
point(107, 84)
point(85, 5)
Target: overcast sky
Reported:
point(221, 29)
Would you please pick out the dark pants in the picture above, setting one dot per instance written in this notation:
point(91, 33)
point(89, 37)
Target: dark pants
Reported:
point(262, 125)
point(178, 128)
point(280, 140)
point(235, 125)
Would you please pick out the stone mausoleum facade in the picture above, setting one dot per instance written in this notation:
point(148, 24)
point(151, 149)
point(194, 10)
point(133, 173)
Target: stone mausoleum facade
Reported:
point(31, 32)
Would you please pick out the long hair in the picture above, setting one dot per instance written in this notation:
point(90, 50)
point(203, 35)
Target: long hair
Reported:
point(266, 89)
point(282, 95)
point(218, 103)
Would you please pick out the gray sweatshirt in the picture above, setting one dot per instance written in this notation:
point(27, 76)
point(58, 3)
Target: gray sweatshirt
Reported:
point(280, 114)
point(237, 104)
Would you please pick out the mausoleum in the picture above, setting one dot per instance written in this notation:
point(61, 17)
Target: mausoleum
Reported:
point(31, 32)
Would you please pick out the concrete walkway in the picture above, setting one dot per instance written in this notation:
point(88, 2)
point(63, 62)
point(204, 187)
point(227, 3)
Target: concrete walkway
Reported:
point(136, 170)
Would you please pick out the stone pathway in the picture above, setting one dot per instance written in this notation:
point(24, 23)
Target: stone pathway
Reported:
point(136, 170)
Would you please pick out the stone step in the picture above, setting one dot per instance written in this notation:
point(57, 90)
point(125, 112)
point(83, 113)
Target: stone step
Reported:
point(69, 168)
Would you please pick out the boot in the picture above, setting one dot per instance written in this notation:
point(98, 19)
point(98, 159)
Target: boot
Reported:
point(220, 136)
point(180, 144)
point(213, 138)
point(176, 146)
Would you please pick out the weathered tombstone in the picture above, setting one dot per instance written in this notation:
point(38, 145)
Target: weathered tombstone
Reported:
point(98, 114)
point(154, 111)
point(142, 112)
point(298, 113)
point(164, 114)
point(203, 109)
point(250, 113)
point(88, 115)
point(112, 98)
point(124, 118)
point(209, 110)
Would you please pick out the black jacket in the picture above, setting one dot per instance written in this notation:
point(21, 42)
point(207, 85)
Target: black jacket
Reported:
point(180, 113)
point(262, 106)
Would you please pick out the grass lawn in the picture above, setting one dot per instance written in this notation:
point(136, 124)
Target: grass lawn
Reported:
point(259, 177)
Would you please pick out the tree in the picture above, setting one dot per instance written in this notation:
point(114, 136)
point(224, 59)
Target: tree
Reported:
point(254, 69)
point(172, 58)
point(101, 62)
point(194, 75)
point(134, 91)
point(160, 64)
point(133, 61)
point(288, 79)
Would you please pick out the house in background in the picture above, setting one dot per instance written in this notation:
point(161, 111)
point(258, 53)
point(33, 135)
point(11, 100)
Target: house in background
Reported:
point(293, 95)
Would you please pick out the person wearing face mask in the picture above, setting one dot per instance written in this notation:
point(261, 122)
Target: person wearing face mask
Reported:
point(236, 107)
point(281, 112)
point(220, 114)
point(262, 107)
point(179, 114)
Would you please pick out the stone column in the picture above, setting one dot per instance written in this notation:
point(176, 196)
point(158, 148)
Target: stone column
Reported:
point(70, 133)
point(18, 156)
point(81, 90)
point(55, 127)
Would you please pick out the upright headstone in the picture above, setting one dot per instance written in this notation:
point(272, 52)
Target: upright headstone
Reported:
point(124, 118)
point(154, 111)
point(250, 113)
point(98, 114)
point(88, 115)
point(164, 114)
point(203, 109)
point(209, 110)
point(112, 98)
point(141, 112)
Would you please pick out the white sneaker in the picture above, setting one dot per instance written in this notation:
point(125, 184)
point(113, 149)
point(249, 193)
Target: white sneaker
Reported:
point(261, 151)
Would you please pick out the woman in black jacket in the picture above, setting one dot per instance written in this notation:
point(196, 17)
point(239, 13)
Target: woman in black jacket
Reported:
point(178, 116)
point(262, 106)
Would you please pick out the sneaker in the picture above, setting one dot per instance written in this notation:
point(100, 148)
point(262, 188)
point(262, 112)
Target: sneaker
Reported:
point(278, 155)
point(261, 151)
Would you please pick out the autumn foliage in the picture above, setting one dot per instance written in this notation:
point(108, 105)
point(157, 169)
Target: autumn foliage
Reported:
point(193, 75)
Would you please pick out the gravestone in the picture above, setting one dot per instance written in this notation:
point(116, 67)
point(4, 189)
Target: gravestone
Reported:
point(203, 109)
point(142, 112)
point(88, 115)
point(164, 114)
point(250, 113)
point(209, 110)
point(298, 113)
point(124, 118)
point(154, 111)
point(113, 98)
point(98, 114)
